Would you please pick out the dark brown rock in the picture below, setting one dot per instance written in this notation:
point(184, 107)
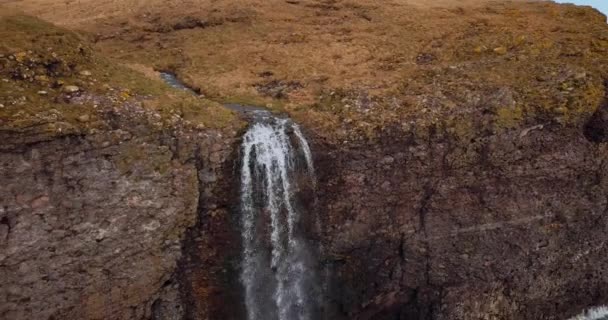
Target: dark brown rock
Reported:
point(506, 227)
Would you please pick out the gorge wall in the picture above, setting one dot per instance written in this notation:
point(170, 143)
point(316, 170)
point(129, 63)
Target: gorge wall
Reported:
point(93, 225)
point(506, 226)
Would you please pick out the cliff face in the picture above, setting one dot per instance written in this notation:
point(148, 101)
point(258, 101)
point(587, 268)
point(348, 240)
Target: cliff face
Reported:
point(93, 224)
point(461, 167)
point(506, 226)
point(100, 182)
point(78, 231)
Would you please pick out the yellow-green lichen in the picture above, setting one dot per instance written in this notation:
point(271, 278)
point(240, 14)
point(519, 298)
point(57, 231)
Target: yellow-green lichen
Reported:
point(509, 117)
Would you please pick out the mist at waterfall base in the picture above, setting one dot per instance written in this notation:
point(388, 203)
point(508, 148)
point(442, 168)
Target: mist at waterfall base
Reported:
point(278, 261)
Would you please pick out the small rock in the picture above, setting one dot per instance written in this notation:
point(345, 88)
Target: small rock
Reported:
point(425, 58)
point(388, 160)
point(100, 235)
point(500, 50)
point(561, 110)
point(20, 57)
point(1, 106)
point(42, 93)
point(85, 73)
point(84, 118)
point(266, 74)
point(71, 89)
point(386, 185)
point(42, 78)
point(580, 76)
point(528, 130)
point(58, 83)
point(40, 202)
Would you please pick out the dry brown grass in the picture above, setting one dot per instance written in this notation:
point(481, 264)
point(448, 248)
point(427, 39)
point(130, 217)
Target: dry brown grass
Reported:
point(321, 44)
point(335, 58)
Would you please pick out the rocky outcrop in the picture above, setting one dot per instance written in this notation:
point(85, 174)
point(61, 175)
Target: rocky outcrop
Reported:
point(81, 223)
point(92, 225)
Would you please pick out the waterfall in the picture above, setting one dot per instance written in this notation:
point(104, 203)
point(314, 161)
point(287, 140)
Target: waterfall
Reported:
point(277, 262)
point(597, 313)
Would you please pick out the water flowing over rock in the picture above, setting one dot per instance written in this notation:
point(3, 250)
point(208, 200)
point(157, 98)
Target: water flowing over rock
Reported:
point(278, 265)
point(598, 313)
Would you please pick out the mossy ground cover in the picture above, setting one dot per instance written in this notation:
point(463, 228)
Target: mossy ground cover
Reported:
point(45, 68)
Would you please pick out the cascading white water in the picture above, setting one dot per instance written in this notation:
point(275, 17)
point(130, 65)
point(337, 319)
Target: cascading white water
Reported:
point(597, 313)
point(277, 267)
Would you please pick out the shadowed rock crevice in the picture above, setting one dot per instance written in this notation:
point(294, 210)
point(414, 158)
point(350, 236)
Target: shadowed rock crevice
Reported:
point(206, 278)
point(596, 129)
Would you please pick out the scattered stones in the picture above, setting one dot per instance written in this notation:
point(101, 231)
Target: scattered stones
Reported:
point(425, 58)
point(266, 74)
point(277, 88)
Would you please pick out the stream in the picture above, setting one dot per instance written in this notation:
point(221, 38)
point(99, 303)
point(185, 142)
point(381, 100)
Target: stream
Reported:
point(278, 261)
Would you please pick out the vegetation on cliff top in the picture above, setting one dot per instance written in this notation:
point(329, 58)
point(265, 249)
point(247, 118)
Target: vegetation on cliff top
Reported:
point(352, 69)
point(53, 83)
